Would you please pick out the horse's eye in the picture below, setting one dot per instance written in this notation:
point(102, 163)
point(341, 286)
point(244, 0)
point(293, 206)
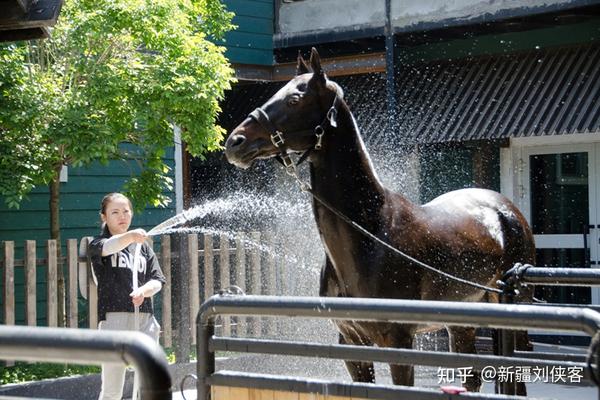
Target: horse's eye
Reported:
point(295, 99)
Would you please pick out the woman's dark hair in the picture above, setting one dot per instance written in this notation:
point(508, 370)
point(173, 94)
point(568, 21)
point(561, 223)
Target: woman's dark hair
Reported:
point(105, 201)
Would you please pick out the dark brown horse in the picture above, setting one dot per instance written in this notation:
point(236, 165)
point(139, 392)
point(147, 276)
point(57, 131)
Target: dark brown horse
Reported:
point(475, 234)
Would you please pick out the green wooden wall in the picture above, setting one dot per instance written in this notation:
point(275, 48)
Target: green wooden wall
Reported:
point(502, 43)
point(252, 41)
point(79, 216)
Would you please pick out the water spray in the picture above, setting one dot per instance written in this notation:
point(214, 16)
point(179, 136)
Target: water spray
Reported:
point(178, 219)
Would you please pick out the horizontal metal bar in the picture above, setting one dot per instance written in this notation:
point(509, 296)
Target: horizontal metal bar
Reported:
point(539, 355)
point(85, 346)
point(387, 355)
point(354, 390)
point(588, 306)
point(561, 276)
point(409, 311)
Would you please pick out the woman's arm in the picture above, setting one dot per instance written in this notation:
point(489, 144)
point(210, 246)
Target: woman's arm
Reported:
point(149, 289)
point(117, 243)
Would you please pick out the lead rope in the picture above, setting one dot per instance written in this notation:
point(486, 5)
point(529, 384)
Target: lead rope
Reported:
point(293, 171)
point(134, 278)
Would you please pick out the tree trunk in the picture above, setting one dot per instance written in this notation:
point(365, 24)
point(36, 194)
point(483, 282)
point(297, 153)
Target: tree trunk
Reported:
point(55, 234)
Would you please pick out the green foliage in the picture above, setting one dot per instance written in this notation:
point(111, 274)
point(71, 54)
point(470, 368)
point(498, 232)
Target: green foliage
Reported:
point(23, 372)
point(113, 72)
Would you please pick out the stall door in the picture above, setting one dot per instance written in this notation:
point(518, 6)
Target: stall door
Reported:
point(561, 183)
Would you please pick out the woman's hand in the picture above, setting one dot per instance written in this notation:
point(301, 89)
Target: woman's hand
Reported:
point(148, 290)
point(117, 243)
point(137, 296)
point(138, 235)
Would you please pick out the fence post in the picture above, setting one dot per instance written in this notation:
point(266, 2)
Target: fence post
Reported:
point(240, 277)
point(30, 283)
point(8, 295)
point(255, 279)
point(8, 287)
point(194, 282)
point(92, 289)
point(52, 284)
point(72, 264)
point(165, 262)
point(209, 272)
point(271, 281)
point(225, 278)
point(181, 293)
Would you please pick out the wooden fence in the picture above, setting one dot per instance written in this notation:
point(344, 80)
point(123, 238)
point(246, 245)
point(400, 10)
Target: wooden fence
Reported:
point(210, 269)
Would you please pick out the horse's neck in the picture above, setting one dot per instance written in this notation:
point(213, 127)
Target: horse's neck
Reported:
point(342, 173)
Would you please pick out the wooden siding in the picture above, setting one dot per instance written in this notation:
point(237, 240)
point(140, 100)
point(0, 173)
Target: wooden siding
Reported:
point(502, 43)
point(252, 41)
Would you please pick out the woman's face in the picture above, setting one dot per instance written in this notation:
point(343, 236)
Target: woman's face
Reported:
point(117, 216)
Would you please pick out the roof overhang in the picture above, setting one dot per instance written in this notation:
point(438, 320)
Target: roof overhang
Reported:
point(336, 66)
point(27, 19)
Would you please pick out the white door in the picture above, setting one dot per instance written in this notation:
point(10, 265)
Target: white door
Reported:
point(560, 200)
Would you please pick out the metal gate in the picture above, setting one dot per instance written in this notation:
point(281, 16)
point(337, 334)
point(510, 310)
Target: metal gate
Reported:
point(502, 316)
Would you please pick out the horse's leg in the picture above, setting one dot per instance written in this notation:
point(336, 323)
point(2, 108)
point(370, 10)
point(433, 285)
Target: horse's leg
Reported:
point(402, 374)
point(329, 286)
point(462, 340)
point(522, 343)
point(359, 371)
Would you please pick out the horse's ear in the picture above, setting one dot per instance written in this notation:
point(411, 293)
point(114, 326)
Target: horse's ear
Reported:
point(301, 68)
point(315, 63)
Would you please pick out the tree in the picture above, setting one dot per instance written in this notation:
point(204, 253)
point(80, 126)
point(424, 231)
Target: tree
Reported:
point(113, 72)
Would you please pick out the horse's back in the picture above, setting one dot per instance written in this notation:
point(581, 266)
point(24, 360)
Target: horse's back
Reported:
point(465, 205)
point(467, 199)
point(482, 216)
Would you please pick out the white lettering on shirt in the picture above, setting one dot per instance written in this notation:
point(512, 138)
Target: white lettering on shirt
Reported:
point(125, 260)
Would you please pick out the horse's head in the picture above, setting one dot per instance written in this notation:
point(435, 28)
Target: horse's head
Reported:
point(293, 120)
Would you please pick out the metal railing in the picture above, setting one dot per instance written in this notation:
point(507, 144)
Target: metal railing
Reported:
point(528, 274)
point(501, 316)
point(83, 346)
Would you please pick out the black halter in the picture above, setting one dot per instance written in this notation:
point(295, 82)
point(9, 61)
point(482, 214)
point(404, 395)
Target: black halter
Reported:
point(278, 138)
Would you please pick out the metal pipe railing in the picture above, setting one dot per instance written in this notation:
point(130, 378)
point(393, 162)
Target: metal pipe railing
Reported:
point(500, 316)
point(523, 316)
point(85, 346)
point(386, 355)
point(525, 273)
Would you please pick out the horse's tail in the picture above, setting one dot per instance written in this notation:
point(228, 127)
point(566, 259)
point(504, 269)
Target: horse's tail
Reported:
point(519, 247)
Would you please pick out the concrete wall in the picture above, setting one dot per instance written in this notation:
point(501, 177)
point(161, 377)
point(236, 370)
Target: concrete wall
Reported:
point(310, 16)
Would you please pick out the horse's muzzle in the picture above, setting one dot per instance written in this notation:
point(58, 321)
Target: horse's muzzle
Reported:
point(237, 152)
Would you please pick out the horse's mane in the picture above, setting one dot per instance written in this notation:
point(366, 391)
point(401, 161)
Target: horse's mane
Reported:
point(337, 88)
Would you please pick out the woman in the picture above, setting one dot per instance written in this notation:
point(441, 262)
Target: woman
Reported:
point(112, 254)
